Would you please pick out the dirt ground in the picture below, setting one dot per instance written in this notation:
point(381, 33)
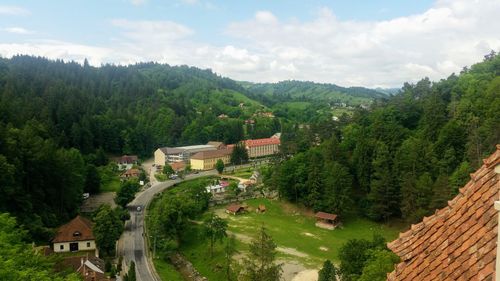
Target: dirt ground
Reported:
point(293, 271)
point(94, 201)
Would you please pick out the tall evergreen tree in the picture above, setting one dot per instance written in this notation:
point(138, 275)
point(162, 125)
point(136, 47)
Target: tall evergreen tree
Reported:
point(328, 272)
point(260, 264)
point(383, 194)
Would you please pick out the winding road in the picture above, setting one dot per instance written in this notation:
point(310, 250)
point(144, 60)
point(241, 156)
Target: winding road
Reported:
point(132, 245)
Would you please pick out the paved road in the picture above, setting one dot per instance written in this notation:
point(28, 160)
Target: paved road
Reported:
point(131, 245)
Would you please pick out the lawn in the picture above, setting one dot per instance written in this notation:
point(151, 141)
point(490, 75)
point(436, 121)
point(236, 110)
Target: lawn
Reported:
point(242, 173)
point(110, 179)
point(292, 229)
point(167, 271)
point(112, 185)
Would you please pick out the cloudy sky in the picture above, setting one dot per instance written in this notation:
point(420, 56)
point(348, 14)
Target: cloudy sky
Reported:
point(351, 43)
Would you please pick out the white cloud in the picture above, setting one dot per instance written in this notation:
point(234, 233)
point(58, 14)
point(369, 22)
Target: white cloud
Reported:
point(435, 43)
point(17, 30)
point(13, 11)
point(54, 49)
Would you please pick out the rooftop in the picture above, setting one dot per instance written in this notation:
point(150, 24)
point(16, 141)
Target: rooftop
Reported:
point(233, 208)
point(326, 216)
point(171, 150)
point(78, 229)
point(459, 241)
point(259, 142)
point(211, 154)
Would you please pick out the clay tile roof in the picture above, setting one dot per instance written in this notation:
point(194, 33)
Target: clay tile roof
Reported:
point(177, 166)
point(325, 216)
point(459, 241)
point(211, 154)
point(233, 208)
point(132, 172)
point(80, 225)
point(259, 142)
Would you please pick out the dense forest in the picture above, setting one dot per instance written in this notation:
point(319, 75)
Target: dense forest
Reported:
point(404, 157)
point(59, 120)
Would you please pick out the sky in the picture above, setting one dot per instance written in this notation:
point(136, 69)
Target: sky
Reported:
point(347, 42)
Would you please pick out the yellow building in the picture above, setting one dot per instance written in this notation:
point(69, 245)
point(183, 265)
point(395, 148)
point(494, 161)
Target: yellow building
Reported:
point(206, 160)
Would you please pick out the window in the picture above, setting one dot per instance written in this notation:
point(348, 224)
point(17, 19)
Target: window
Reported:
point(88, 244)
point(61, 247)
point(76, 234)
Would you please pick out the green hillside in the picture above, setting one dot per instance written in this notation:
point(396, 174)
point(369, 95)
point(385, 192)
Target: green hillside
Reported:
point(302, 90)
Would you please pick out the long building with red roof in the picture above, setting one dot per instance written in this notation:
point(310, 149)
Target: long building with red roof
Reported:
point(262, 147)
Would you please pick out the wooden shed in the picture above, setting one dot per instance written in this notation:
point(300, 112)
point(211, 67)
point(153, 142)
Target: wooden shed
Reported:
point(327, 220)
point(235, 209)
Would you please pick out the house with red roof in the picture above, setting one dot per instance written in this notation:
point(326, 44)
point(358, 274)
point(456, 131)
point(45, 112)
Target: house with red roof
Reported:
point(74, 236)
point(458, 242)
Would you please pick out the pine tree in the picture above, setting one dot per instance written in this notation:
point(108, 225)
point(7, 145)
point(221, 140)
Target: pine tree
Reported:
point(260, 264)
point(328, 272)
point(383, 195)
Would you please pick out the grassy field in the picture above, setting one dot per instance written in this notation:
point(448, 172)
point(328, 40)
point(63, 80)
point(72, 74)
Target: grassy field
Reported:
point(167, 271)
point(292, 229)
point(242, 173)
point(111, 185)
point(110, 179)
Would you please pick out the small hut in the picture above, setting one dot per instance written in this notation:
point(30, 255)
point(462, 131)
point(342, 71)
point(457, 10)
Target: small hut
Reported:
point(235, 209)
point(326, 220)
point(261, 209)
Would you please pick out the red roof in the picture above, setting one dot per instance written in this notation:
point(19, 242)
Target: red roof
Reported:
point(234, 208)
point(128, 159)
point(326, 216)
point(260, 142)
point(178, 166)
point(78, 229)
point(131, 173)
point(459, 241)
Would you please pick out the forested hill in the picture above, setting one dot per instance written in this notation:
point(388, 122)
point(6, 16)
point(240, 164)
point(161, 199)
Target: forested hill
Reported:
point(57, 121)
point(125, 109)
point(270, 93)
point(406, 156)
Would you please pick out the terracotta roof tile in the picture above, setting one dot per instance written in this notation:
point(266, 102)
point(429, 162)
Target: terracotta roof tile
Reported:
point(78, 229)
point(260, 142)
point(459, 241)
